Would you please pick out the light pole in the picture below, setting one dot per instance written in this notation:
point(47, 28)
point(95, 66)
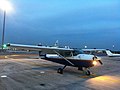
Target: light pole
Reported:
point(6, 6)
point(85, 46)
point(3, 32)
point(113, 46)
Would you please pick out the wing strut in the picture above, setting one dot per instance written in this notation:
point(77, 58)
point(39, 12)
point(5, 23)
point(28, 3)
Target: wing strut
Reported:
point(64, 58)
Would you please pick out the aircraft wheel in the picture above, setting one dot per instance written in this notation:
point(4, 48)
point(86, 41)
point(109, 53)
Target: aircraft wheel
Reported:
point(87, 72)
point(80, 68)
point(60, 70)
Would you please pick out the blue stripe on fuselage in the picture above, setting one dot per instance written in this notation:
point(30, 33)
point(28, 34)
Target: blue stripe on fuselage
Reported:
point(77, 63)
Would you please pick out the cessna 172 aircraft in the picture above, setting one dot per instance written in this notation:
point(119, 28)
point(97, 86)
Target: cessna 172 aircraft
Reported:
point(65, 56)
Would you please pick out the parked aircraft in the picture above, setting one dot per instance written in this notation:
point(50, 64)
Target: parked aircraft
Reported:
point(110, 54)
point(103, 52)
point(98, 52)
point(65, 56)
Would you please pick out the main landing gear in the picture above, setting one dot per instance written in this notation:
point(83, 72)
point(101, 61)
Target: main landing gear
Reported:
point(60, 70)
point(85, 70)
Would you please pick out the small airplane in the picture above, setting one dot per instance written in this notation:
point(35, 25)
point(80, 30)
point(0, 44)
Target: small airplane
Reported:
point(65, 56)
point(110, 54)
point(94, 51)
point(104, 52)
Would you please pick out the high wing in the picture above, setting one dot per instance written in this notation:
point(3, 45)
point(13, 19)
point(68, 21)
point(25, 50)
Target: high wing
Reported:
point(45, 49)
point(94, 49)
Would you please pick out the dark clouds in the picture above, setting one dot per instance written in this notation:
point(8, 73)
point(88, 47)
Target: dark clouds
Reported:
point(76, 23)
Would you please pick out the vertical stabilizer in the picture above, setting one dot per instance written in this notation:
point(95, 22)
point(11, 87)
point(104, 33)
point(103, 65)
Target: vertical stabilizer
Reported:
point(56, 43)
point(109, 53)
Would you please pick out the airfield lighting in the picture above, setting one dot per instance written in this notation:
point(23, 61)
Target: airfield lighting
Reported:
point(4, 46)
point(85, 46)
point(94, 63)
point(113, 46)
point(5, 6)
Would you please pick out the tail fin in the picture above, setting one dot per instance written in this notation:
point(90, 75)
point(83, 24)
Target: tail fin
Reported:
point(109, 53)
point(56, 43)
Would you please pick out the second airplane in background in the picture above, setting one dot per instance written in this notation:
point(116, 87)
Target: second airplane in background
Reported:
point(105, 52)
point(110, 54)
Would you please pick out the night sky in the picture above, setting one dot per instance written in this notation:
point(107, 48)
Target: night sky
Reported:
point(77, 23)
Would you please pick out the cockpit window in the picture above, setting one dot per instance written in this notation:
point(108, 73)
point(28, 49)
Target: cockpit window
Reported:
point(76, 52)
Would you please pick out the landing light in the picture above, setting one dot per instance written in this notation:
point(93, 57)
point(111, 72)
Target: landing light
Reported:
point(94, 63)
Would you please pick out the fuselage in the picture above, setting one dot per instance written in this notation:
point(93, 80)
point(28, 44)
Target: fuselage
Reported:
point(114, 55)
point(80, 60)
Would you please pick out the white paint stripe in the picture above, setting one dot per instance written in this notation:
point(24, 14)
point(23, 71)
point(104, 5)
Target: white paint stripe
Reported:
point(42, 72)
point(3, 76)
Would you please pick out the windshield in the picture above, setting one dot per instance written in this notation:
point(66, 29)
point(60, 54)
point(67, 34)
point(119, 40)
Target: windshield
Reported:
point(76, 52)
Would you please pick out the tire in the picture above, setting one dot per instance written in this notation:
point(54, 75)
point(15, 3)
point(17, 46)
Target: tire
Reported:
point(88, 73)
point(60, 70)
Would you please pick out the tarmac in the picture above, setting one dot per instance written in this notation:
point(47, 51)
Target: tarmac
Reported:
point(28, 72)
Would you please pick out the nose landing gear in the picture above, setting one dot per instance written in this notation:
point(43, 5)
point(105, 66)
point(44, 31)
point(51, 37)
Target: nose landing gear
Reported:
point(60, 70)
point(85, 70)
